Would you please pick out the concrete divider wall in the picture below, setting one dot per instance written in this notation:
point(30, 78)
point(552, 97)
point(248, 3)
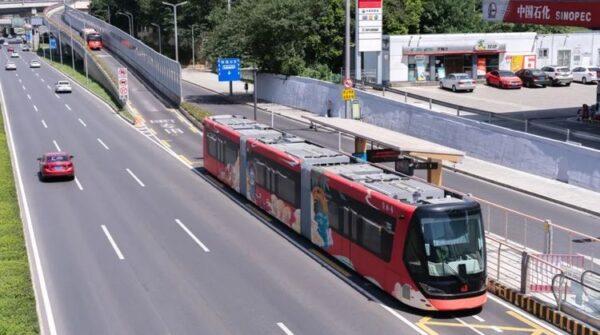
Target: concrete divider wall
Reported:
point(526, 152)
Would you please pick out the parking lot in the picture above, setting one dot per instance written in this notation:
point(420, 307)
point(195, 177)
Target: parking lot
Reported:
point(548, 102)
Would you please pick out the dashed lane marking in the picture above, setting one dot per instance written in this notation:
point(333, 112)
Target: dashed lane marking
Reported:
point(68, 107)
point(190, 234)
point(35, 107)
point(56, 145)
point(284, 328)
point(44, 124)
point(113, 243)
point(102, 143)
point(82, 123)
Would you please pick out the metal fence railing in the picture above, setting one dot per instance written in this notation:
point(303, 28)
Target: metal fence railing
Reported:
point(579, 297)
point(157, 70)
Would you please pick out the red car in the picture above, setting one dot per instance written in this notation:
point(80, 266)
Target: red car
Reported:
point(503, 79)
point(56, 164)
point(10, 49)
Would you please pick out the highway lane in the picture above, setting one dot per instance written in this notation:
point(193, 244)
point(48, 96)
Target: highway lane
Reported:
point(250, 281)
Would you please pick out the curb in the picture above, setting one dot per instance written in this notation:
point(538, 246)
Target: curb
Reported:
point(541, 310)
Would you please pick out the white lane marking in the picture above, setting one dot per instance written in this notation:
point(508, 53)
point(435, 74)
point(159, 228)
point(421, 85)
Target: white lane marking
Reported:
point(42, 79)
point(28, 96)
point(36, 74)
point(44, 123)
point(23, 87)
point(83, 123)
point(192, 235)
point(403, 319)
point(57, 96)
point(35, 107)
point(104, 145)
point(135, 177)
point(478, 318)
point(284, 328)
point(498, 330)
point(34, 247)
point(48, 87)
point(78, 184)
point(56, 145)
point(112, 242)
point(469, 326)
point(69, 108)
point(20, 81)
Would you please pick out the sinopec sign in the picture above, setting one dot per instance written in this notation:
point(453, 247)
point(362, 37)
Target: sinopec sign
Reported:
point(581, 13)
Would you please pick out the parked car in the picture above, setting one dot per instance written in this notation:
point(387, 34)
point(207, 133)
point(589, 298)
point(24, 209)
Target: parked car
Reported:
point(62, 86)
point(55, 165)
point(533, 77)
point(10, 66)
point(458, 82)
point(34, 63)
point(559, 75)
point(586, 74)
point(503, 79)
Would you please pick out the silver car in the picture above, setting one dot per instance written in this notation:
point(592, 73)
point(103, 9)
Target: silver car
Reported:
point(10, 66)
point(458, 82)
point(14, 55)
point(35, 63)
point(559, 75)
point(62, 86)
point(587, 74)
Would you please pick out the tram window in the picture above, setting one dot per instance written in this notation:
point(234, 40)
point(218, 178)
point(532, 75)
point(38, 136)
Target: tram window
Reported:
point(212, 144)
point(261, 173)
point(231, 153)
point(334, 215)
point(412, 252)
point(286, 188)
point(355, 225)
point(371, 236)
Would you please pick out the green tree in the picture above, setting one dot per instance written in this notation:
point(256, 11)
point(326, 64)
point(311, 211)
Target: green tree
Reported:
point(451, 16)
point(402, 16)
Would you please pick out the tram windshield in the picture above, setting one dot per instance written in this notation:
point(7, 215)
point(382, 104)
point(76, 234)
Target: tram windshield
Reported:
point(453, 243)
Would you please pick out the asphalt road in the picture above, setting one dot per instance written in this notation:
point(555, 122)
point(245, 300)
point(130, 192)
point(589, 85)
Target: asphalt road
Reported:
point(142, 244)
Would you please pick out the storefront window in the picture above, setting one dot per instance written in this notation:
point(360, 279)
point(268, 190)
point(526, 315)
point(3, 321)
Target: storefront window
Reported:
point(412, 69)
point(422, 65)
point(468, 65)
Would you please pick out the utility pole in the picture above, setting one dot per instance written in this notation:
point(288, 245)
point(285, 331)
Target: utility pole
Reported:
point(347, 54)
point(159, 37)
point(193, 47)
point(108, 9)
point(60, 47)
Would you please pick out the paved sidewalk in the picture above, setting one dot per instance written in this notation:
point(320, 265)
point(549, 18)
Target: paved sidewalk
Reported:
point(552, 190)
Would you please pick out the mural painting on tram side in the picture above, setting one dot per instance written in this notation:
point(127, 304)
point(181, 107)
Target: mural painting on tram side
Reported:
point(381, 266)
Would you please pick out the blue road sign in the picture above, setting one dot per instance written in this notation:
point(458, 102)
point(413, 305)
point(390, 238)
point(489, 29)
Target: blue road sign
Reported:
point(52, 43)
point(229, 69)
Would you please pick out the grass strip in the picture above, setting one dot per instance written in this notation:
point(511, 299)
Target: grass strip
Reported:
point(17, 301)
point(195, 110)
point(89, 83)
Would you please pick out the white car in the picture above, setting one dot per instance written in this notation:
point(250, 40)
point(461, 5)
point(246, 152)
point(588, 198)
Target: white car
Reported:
point(586, 75)
point(559, 75)
point(10, 66)
point(458, 82)
point(34, 63)
point(62, 86)
point(14, 55)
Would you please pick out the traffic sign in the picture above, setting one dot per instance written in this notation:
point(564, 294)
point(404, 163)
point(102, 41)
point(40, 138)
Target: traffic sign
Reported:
point(229, 69)
point(52, 43)
point(348, 83)
point(348, 94)
point(122, 72)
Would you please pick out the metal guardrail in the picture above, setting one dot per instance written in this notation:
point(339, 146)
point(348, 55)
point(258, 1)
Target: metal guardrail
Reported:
point(158, 70)
point(578, 297)
point(568, 134)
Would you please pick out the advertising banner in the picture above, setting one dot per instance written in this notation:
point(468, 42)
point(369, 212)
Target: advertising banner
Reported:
point(420, 60)
point(581, 13)
point(369, 16)
point(481, 66)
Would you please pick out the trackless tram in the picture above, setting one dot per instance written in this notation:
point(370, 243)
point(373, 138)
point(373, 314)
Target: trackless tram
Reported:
point(92, 38)
point(422, 244)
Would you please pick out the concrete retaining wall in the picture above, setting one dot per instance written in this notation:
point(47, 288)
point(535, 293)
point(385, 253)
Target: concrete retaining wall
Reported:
point(530, 153)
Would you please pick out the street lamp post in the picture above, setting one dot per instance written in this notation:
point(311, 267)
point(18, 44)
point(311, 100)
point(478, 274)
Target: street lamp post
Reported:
point(108, 10)
point(129, 19)
point(347, 60)
point(174, 6)
point(159, 38)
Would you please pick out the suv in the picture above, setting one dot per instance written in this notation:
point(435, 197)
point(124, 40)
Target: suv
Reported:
point(559, 75)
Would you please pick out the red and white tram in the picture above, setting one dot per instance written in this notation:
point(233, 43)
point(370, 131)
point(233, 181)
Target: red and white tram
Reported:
point(422, 244)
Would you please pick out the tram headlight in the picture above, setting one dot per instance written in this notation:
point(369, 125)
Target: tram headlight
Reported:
point(431, 290)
